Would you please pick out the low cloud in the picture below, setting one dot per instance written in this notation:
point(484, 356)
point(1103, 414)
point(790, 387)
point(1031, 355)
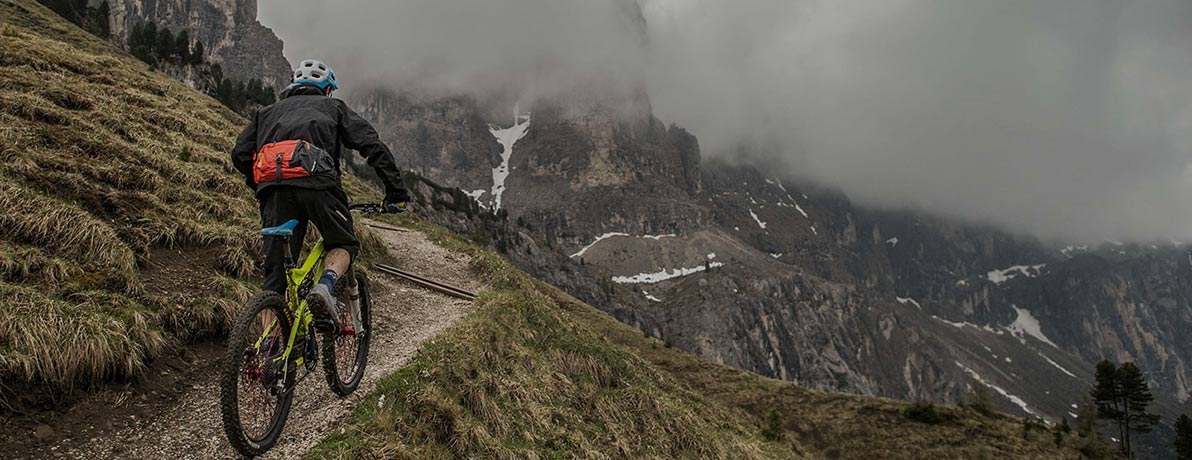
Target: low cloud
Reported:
point(523, 49)
point(1064, 118)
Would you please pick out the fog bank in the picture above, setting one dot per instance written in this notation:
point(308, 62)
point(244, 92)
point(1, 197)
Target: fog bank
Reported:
point(1059, 118)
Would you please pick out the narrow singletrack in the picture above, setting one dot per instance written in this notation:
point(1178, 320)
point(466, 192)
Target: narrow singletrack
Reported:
point(187, 426)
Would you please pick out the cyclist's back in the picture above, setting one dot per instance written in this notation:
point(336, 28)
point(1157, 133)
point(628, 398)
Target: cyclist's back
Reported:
point(307, 113)
point(290, 155)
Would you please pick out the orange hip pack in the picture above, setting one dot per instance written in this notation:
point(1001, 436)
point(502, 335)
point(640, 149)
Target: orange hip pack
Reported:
point(287, 160)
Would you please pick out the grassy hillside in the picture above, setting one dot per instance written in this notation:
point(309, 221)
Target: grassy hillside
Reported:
point(126, 229)
point(535, 373)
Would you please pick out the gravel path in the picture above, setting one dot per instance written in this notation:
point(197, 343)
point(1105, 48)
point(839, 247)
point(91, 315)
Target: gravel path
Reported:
point(187, 426)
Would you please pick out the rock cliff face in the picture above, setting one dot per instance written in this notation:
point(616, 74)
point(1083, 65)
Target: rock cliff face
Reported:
point(228, 29)
point(794, 281)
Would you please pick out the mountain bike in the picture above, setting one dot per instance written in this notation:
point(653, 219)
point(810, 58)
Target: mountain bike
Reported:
point(274, 338)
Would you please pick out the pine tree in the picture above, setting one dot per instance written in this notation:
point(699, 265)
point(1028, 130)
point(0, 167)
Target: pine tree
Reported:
point(137, 45)
point(196, 53)
point(164, 44)
point(1183, 438)
point(1086, 417)
point(149, 36)
point(134, 35)
point(182, 46)
point(99, 16)
point(217, 73)
point(1061, 431)
point(1107, 395)
point(1136, 396)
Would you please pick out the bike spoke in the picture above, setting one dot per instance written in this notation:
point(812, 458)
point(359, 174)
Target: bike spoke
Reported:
point(257, 404)
point(346, 342)
point(346, 345)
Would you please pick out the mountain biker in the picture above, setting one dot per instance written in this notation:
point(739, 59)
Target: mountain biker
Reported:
point(290, 155)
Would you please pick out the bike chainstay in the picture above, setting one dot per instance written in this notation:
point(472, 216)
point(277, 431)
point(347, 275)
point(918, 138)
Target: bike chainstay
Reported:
point(299, 317)
point(309, 365)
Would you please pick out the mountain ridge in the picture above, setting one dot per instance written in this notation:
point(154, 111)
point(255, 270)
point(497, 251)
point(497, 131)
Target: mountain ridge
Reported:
point(959, 295)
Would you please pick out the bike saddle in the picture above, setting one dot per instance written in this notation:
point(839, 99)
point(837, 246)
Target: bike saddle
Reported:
point(286, 229)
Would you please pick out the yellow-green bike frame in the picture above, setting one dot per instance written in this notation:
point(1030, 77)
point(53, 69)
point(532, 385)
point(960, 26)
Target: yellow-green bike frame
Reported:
point(299, 281)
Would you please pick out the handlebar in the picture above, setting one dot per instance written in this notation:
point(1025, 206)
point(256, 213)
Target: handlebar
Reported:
point(369, 208)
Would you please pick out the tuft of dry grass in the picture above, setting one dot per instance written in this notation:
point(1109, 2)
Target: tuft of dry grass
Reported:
point(62, 228)
point(102, 162)
point(92, 335)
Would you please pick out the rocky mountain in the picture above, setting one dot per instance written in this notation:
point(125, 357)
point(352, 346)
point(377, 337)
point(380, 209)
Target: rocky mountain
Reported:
point(229, 30)
point(794, 281)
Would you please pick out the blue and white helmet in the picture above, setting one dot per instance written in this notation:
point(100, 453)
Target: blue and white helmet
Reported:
point(314, 72)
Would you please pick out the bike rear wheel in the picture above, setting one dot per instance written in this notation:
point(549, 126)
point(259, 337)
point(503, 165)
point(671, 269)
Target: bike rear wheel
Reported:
point(345, 352)
point(255, 383)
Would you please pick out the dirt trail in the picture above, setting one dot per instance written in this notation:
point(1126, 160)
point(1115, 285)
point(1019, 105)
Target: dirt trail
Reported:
point(186, 424)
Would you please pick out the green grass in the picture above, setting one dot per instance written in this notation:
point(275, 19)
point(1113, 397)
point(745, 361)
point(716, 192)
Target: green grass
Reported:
point(535, 373)
point(107, 167)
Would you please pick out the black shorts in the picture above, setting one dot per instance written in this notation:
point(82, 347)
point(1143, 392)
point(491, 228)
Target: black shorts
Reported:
point(328, 209)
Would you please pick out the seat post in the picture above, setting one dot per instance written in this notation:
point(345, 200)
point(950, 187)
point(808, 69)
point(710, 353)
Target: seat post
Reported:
point(285, 247)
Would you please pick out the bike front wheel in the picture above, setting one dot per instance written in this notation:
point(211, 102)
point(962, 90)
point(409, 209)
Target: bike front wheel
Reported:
point(255, 381)
point(345, 352)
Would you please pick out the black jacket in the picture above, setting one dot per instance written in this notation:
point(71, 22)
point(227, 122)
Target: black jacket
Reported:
point(304, 113)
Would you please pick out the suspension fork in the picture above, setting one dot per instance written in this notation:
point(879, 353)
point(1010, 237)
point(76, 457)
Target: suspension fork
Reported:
point(353, 289)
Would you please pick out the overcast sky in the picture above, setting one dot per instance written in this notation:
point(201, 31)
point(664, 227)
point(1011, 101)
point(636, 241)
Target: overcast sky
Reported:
point(1068, 118)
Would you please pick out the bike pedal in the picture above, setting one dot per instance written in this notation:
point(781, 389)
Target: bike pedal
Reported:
point(324, 325)
point(311, 353)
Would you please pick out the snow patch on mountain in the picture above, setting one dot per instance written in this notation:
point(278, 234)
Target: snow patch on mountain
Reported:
point(1068, 250)
point(1006, 394)
point(598, 239)
point(1057, 366)
point(789, 197)
point(906, 300)
point(475, 195)
point(893, 241)
point(801, 211)
point(963, 324)
point(657, 277)
point(651, 297)
point(1026, 324)
point(756, 219)
point(1006, 274)
point(507, 137)
point(615, 234)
